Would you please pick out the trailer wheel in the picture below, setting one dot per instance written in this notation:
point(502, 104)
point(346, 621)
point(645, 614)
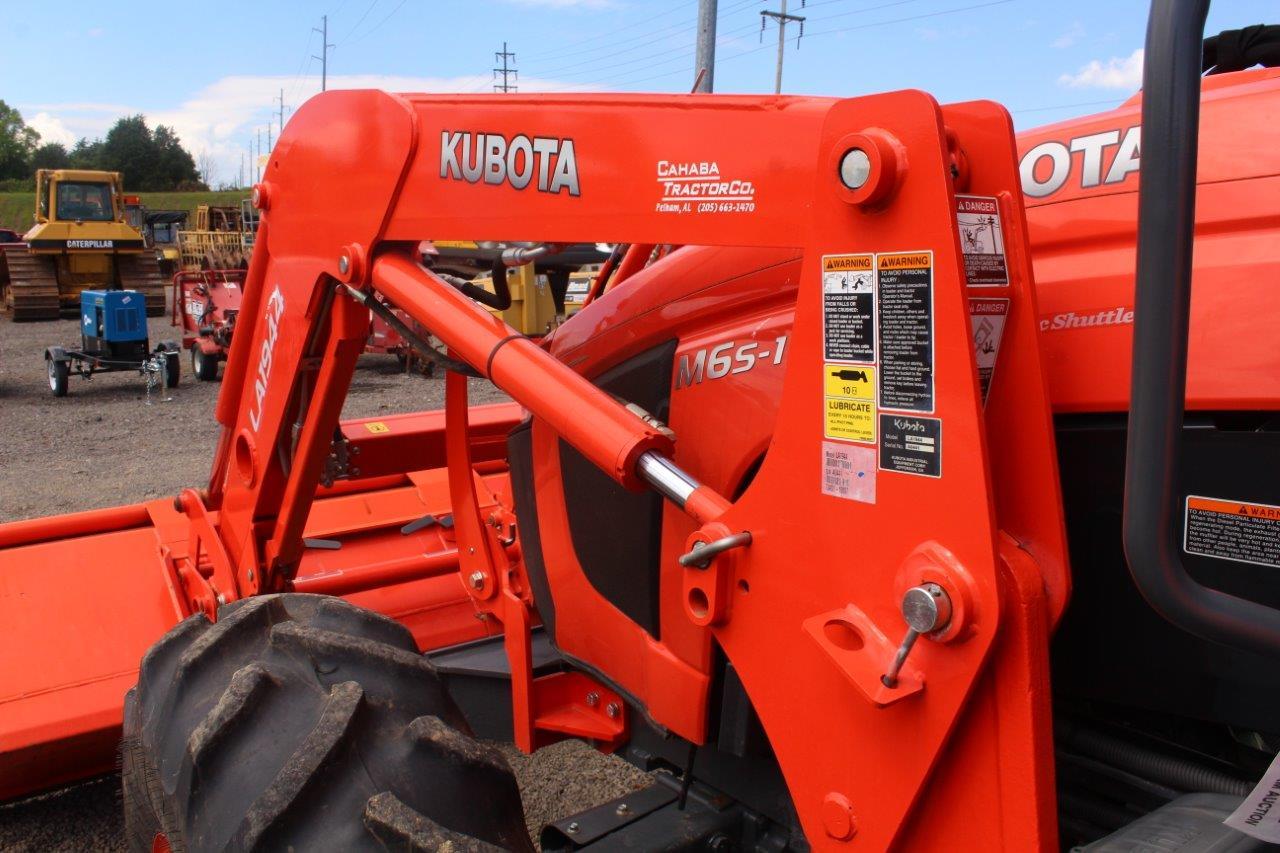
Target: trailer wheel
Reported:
point(59, 376)
point(172, 369)
point(204, 366)
point(304, 722)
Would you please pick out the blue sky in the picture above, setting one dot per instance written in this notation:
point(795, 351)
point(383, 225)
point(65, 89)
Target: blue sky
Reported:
point(214, 70)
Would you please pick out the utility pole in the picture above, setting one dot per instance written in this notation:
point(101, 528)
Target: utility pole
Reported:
point(240, 185)
point(508, 73)
point(323, 30)
point(282, 109)
point(257, 164)
point(782, 19)
point(268, 138)
point(705, 63)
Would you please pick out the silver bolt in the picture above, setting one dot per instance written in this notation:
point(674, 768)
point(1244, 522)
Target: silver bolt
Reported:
point(855, 168)
point(251, 575)
point(613, 709)
point(344, 264)
point(622, 809)
point(926, 608)
point(573, 828)
point(593, 699)
point(222, 599)
point(477, 580)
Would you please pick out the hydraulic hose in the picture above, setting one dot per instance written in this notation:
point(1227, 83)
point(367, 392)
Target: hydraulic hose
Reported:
point(1180, 773)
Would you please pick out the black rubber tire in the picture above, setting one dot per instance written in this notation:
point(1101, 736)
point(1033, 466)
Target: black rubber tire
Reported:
point(59, 376)
point(304, 722)
point(205, 367)
point(172, 369)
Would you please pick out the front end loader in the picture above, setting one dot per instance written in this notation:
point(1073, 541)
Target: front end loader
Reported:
point(784, 517)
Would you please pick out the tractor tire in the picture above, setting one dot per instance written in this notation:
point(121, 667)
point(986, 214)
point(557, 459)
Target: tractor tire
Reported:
point(303, 722)
point(204, 366)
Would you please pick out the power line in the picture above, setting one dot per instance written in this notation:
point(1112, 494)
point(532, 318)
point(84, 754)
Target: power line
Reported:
point(678, 7)
point(358, 22)
point(507, 73)
point(376, 26)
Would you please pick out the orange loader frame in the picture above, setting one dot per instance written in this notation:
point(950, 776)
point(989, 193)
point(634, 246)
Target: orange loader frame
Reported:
point(801, 589)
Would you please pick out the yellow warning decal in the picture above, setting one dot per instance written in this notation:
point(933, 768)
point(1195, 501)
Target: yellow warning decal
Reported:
point(854, 381)
point(849, 402)
point(377, 426)
point(905, 261)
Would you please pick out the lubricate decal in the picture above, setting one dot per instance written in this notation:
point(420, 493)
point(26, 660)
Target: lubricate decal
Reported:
point(1107, 157)
point(910, 445)
point(699, 186)
point(905, 321)
point(1241, 531)
point(545, 162)
point(1257, 814)
point(849, 471)
point(266, 357)
point(849, 393)
point(982, 241)
point(377, 427)
point(987, 316)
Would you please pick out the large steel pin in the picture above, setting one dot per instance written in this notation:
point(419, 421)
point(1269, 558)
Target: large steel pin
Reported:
point(926, 608)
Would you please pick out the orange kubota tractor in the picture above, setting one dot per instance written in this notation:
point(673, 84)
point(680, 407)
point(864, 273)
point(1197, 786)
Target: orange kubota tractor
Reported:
point(762, 518)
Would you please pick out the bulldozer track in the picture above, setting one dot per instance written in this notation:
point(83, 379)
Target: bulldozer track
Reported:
point(31, 289)
point(141, 272)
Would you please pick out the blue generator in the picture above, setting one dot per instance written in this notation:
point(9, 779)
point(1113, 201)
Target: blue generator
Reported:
point(113, 324)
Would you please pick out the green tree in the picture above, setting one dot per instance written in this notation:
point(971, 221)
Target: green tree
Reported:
point(150, 160)
point(51, 155)
point(17, 143)
point(87, 155)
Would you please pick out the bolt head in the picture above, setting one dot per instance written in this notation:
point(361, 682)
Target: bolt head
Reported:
point(477, 580)
point(622, 809)
point(613, 709)
point(573, 828)
point(855, 168)
point(344, 264)
point(926, 608)
point(593, 699)
point(837, 817)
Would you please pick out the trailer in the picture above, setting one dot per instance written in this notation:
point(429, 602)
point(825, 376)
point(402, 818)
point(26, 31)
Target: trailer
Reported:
point(113, 339)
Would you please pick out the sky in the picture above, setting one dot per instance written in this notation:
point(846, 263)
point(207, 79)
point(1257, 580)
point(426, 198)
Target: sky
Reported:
point(215, 71)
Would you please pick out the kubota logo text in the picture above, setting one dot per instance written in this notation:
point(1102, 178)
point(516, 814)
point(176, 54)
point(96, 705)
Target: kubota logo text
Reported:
point(1107, 157)
point(472, 157)
point(275, 307)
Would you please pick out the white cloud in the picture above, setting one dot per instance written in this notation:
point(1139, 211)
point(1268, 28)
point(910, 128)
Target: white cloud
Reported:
point(220, 119)
point(1070, 37)
point(1119, 72)
point(51, 129)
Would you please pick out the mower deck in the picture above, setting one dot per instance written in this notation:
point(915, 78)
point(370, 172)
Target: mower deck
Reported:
point(109, 574)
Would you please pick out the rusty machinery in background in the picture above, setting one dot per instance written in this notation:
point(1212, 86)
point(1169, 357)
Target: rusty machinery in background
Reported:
point(787, 524)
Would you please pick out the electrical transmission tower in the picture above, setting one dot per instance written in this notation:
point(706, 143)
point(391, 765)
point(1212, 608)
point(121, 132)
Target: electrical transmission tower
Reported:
point(508, 72)
point(782, 19)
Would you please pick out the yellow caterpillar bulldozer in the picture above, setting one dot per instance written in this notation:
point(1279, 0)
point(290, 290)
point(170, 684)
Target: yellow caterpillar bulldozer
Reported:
point(80, 241)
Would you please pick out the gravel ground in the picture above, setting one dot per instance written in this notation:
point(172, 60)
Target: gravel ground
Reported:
point(50, 451)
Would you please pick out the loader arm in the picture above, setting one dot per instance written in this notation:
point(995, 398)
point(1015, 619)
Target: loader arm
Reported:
point(802, 579)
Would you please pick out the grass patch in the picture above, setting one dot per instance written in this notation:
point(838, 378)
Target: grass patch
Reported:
point(17, 209)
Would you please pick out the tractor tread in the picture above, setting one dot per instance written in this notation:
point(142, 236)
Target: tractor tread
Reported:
point(399, 827)
point(439, 738)
point(303, 722)
point(245, 692)
point(316, 751)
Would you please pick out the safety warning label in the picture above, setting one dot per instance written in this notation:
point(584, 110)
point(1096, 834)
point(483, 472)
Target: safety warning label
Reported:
point(906, 330)
point(1232, 530)
point(849, 471)
point(849, 402)
point(982, 241)
point(987, 316)
point(849, 307)
point(911, 445)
